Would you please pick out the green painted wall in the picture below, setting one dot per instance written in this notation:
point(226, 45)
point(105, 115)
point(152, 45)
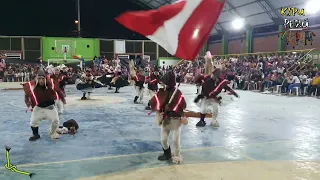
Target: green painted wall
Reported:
point(281, 41)
point(225, 44)
point(249, 41)
point(52, 48)
point(204, 49)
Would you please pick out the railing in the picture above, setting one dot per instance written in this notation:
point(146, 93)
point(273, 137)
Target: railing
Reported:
point(313, 56)
point(264, 53)
point(303, 61)
point(13, 54)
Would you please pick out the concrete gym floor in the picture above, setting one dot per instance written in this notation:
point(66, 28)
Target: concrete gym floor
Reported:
point(260, 137)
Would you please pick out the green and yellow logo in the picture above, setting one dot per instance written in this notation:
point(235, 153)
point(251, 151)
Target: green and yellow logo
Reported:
point(12, 167)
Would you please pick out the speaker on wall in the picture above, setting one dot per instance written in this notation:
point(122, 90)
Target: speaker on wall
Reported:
point(88, 46)
point(52, 48)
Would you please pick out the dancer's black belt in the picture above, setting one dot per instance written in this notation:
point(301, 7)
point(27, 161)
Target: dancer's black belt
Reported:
point(46, 104)
point(172, 114)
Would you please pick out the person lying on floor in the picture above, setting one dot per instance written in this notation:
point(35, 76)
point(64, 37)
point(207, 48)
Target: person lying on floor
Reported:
point(69, 127)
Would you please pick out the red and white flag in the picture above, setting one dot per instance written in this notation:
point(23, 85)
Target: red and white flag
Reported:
point(181, 28)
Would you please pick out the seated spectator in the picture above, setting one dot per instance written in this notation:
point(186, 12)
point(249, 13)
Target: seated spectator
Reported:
point(295, 82)
point(246, 80)
point(266, 82)
point(255, 79)
point(303, 78)
point(276, 80)
point(287, 81)
point(188, 78)
point(239, 81)
point(314, 88)
point(231, 78)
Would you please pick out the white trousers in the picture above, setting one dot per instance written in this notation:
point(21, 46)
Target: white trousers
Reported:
point(209, 106)
point(151, 93)
point(173, 124)
point(50, 113)
point(60, 106)
point(139, 92)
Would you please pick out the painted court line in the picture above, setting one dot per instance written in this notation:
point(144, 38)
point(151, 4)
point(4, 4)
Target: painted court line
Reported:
point(12, 103)
point(164, 169)
point(149, 153)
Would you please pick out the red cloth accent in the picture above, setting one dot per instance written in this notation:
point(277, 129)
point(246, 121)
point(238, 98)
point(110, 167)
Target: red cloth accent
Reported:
point(181, 28)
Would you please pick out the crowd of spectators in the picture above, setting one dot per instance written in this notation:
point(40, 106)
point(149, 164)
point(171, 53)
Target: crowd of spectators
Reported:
point(291, 74)
point(22, 72)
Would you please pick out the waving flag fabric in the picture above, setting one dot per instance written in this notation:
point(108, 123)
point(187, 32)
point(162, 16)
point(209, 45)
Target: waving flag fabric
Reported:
point(181, 28)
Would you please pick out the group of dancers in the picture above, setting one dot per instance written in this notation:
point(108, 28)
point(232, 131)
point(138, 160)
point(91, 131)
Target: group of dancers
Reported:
point(45, 93)
point(87, 82)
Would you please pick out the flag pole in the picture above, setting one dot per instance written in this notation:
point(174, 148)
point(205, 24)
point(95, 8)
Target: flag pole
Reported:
point(79, 22)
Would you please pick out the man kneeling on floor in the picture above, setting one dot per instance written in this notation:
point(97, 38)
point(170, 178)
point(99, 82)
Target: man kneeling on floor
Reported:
point(69, 127)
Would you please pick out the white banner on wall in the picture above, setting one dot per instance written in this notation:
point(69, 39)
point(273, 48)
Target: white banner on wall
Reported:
point(167, 62)
point(120, 46)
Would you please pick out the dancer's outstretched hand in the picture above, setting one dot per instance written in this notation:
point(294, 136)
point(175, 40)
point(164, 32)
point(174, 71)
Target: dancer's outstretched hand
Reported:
point(184, 120)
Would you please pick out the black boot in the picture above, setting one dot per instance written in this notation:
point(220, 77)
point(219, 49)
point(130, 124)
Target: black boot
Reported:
point(8, 148)
point(198, 98)
point(84, 96)
point(117, 90)
point(135, 99)
point(110, 88)
point(201, 123)
point(148, 107)
point(31, 175)
point(36, 136)
point(166, 155)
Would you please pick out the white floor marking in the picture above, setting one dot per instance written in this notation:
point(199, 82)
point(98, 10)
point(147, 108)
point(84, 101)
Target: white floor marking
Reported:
point(12, 103)
point(148, 153)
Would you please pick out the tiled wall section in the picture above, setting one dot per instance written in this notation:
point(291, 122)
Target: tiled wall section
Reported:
point(263, 44)
point(237, 46)
point(215, 49)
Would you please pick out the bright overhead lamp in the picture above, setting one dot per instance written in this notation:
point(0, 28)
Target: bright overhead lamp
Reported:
point(312, 7)
point(238, 23)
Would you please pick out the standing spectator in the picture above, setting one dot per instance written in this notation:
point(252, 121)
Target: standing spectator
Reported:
point(2, 69)
point(10, 75)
